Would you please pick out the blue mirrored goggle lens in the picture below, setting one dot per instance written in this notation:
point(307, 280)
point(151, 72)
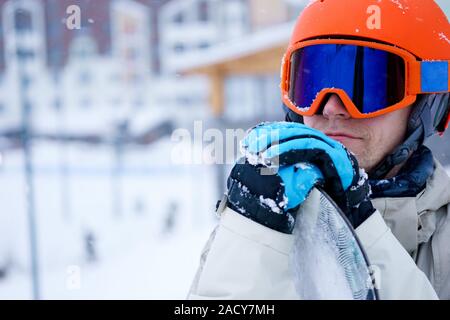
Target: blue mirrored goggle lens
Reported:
point(373, 79)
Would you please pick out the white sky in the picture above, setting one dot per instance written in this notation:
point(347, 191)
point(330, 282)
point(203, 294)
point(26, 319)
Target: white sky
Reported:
point(445, 5)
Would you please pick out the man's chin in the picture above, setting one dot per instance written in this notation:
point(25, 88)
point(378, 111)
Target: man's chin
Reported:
point(360, 151)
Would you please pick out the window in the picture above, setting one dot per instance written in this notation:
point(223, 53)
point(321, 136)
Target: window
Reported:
point(203, 45)
point(240, 93)
point(179, 47)
point(179, 18)
point(235, 18)
point(26, 81)
point(203, 11)
point(22, 20)
point(57, 104)
point(24, 54)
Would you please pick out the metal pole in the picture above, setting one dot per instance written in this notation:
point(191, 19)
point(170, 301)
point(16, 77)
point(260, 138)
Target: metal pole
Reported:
point(117, 172)
point(29, 172)
point(63, 161)
point(117, 179)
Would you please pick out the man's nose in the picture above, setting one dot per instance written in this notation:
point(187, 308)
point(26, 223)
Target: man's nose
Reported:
point(334, 108)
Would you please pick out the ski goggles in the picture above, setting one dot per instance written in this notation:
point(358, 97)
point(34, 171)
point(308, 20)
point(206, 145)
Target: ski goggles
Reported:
point(370, 78)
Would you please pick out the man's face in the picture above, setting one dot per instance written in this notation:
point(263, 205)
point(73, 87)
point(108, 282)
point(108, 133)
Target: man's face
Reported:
point(371, 140)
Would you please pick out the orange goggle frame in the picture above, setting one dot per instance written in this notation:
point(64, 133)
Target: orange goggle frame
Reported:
point(420, 78)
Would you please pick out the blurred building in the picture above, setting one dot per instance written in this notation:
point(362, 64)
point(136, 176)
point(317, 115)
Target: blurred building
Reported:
point(95, 19)
point(238, 44)
point(187, 25)
point(99, 91)
point(87, 90)
point(130, 39)
point(96, 77)
point(25, 77)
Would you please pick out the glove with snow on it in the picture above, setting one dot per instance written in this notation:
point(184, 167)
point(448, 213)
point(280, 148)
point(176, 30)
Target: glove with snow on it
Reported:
point(300, 158)
point(270, 198)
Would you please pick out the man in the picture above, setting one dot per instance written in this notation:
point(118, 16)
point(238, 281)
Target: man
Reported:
point(372, 76)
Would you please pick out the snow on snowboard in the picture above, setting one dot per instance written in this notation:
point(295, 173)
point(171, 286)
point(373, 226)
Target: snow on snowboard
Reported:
point(327, 258)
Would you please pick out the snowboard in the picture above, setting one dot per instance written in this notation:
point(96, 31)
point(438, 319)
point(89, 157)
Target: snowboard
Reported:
point(327, 258)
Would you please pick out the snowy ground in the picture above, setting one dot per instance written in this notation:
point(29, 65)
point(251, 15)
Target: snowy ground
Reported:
point(152, 269)
point(150, 251)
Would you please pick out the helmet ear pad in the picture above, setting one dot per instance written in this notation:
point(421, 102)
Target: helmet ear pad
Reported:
point(442, 112)
point(430, 111)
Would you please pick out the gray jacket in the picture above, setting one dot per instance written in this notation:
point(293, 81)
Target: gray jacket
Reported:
point(422, 226)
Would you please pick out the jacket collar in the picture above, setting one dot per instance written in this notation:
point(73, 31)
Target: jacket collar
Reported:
point(413, 219)
point(411, 179)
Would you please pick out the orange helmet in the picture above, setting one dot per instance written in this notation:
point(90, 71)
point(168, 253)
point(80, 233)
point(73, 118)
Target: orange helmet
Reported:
point(417, 31)
point(418, 28)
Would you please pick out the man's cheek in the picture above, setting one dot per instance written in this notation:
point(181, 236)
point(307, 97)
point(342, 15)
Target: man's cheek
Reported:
point(312, 122)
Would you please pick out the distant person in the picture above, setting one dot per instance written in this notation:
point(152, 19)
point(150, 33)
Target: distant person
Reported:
point(170, 218)
point(90, 245)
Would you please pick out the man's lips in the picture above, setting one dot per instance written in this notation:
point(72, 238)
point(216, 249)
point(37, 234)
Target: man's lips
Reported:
point(341, 135)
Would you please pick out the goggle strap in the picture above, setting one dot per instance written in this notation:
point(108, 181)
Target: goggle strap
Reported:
point(434, 76)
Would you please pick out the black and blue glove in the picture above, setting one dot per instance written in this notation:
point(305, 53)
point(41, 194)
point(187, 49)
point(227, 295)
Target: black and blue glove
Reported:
point(283, 163)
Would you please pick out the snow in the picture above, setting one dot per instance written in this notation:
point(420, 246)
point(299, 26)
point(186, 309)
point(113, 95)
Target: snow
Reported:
point(399, 5)
point(442, 36)
point(148, 270)
point(138, 254)
point(252, 158)
point(363, 176)
point(304, 166)
point(270, 203)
